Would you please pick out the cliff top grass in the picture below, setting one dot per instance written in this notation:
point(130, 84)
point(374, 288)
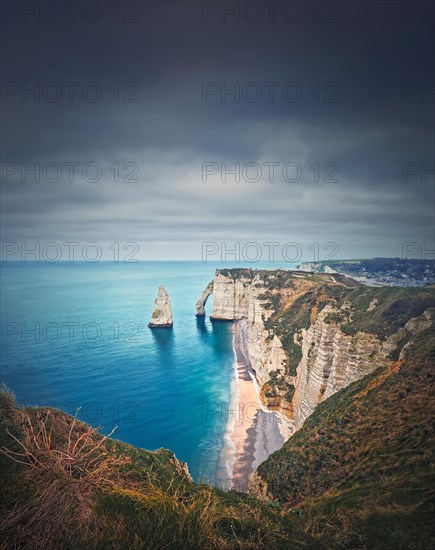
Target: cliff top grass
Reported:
point(391, 308)
point(279, 278)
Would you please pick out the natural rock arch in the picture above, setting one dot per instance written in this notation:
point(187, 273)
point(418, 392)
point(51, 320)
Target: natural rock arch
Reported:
point(200, 304)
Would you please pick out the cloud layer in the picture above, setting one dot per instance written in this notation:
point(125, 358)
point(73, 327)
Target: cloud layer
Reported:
point(350, 106)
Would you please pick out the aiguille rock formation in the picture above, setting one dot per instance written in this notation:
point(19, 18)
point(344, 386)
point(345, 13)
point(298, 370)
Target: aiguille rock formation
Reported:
point(162, 314)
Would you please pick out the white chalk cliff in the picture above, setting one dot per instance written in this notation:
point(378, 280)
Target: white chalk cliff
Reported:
point(328, 359)
point(162, 314)
point(230, 297)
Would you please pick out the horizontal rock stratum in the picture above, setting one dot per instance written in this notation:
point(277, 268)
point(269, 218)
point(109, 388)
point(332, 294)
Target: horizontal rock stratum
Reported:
point(162, 314)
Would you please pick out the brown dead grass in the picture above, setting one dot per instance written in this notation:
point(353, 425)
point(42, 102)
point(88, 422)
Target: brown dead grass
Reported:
point(63, 472)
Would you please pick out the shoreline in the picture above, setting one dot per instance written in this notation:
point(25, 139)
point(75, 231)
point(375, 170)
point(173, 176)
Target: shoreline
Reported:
point(252, 432)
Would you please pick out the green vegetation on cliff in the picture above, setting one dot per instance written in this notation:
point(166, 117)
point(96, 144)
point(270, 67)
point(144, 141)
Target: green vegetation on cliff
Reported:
point(384, 310)
point(360, 472)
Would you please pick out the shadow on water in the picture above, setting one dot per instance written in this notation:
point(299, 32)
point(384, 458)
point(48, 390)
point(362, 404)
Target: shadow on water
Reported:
point(216, 334)
point(165, 343)
point(201, 327)
point(222, 332)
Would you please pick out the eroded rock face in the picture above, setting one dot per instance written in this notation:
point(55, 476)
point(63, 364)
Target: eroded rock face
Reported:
point(331, 360)
point(239, 298)
point(264, 348)
point(230, 297)
point(162, 314)
point(200, 304)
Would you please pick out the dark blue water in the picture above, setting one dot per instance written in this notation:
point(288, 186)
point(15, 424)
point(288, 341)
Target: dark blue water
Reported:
point(75, 335)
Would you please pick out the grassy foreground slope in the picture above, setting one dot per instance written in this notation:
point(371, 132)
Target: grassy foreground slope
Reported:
point(66, 486)
point(361, 471)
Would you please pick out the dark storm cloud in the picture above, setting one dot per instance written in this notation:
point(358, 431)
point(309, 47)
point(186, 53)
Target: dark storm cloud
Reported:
point(351, 112)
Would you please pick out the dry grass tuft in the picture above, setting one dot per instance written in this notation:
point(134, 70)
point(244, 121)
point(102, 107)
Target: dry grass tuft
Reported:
point(63, 472)
point(81, 456)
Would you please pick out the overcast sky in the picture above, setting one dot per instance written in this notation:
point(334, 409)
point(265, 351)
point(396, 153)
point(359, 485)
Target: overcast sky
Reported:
point(342, 94)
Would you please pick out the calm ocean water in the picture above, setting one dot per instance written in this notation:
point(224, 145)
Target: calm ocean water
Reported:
point(75, 335)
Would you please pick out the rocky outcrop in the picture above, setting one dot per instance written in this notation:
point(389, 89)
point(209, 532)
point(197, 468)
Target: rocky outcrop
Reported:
point(200, 304)
point(162, 314)
point(237, 296)
point(231, 289)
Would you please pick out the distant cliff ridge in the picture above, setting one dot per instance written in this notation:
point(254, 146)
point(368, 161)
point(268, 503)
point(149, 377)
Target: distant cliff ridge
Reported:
point(405, 272)
point(308, 335)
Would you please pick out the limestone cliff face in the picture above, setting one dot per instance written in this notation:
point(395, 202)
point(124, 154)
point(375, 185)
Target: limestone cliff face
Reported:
point(162, 314)
point(266, 355)
point(294, 338)
point(315, 267)
point(331, 360)
point(238, 296)
point(230, 297)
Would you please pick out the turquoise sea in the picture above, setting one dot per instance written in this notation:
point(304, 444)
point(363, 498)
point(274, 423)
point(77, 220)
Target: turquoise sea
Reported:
point(76, 336)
